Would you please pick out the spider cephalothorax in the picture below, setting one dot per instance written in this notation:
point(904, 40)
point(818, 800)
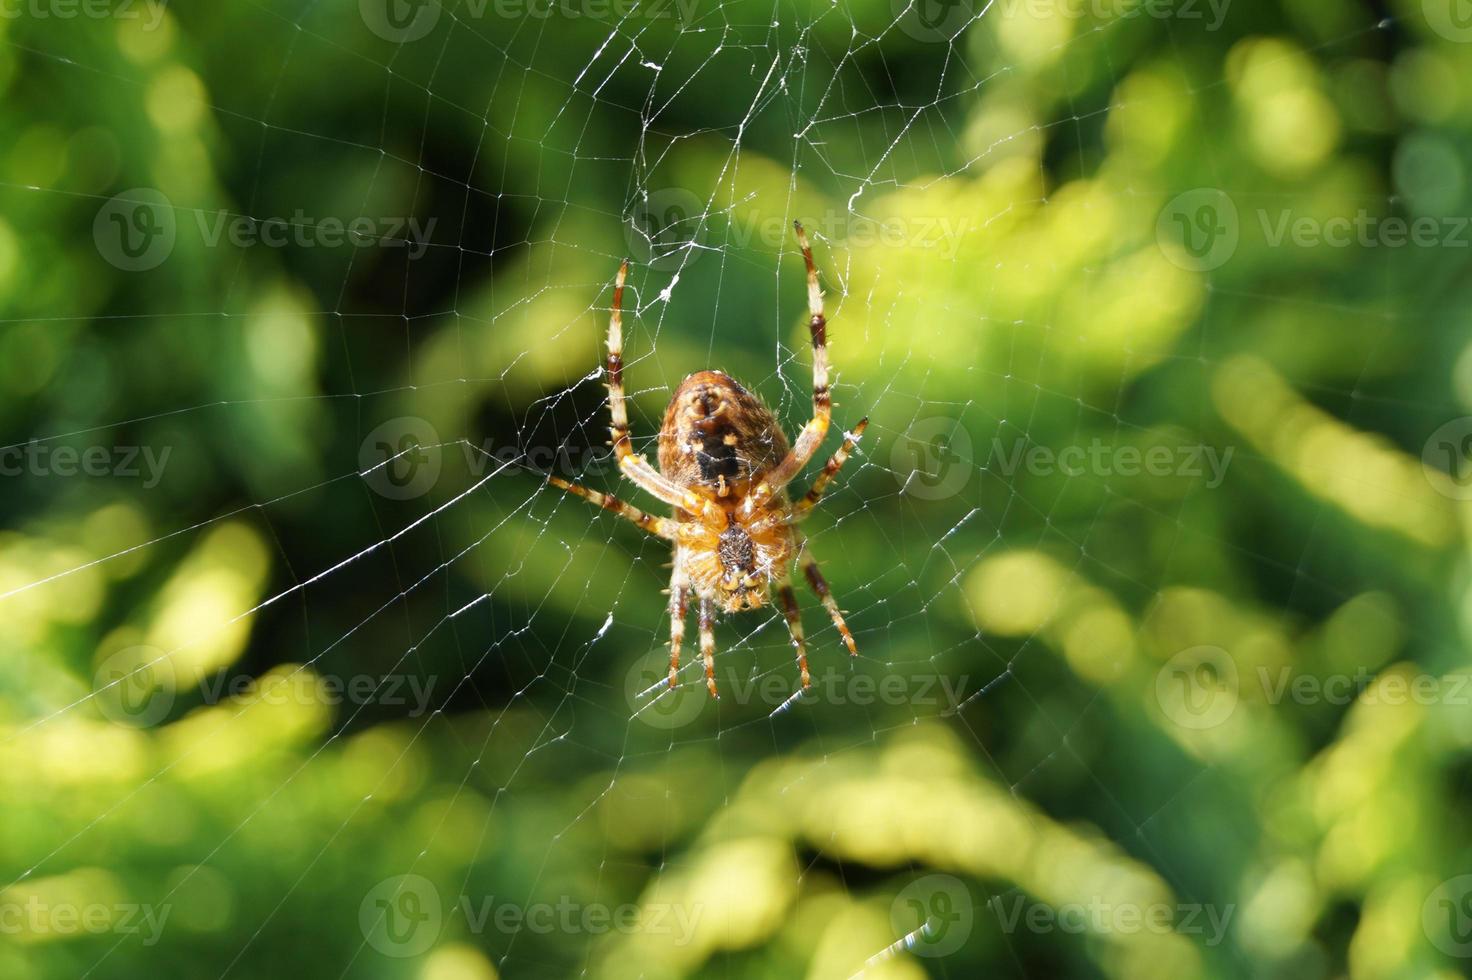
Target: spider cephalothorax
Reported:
point(724, 465)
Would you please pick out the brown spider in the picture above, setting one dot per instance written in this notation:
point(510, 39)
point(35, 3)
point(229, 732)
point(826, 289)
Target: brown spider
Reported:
point(724, 466)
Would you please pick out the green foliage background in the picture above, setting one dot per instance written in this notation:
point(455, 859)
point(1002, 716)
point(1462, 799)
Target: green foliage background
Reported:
point(1117, 637)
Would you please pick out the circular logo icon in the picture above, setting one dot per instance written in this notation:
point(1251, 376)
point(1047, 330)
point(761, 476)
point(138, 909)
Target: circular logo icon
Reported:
point(135, 230)
point(1198, 230)
point(935, 913)
point(400, 21)
point(933, 21)
point(1452, 19)
point(1446, 915)
point(135, 686)
point(1446, 459)
point(1197, 688)
point(666, 230)
point(400, 459)
point(932, 459)
point(401, 916)
point(650, 698)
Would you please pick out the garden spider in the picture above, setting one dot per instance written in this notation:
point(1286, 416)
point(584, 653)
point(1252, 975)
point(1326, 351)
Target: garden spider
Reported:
point(724, 465)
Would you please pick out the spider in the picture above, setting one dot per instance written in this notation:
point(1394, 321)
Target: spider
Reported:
point(724, 465)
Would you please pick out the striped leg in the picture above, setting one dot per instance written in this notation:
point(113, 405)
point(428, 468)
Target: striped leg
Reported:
point(658, 526)
point(630, 463)
point(811, 436)
point(830, 470)
point(820, 587)
point(679, 593)
point(708, 643)
point(794, 626)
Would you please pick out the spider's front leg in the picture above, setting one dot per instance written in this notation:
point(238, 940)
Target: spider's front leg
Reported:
point(630, 463)
point(811, 436)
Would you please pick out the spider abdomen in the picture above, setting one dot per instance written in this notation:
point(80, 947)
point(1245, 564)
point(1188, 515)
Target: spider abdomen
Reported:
point(717, 435)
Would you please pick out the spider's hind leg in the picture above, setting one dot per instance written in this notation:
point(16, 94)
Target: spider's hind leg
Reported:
point(679, 594)
point(708, 642)
point(820, 588)
point(794, 627)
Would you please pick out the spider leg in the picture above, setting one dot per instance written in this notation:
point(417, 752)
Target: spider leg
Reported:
point(630, 463)
point(830, 470)
point(661, 527)
point(794, 626)
point(819, 586)
point(708, 642)
point(679, 593)
point(811, 436)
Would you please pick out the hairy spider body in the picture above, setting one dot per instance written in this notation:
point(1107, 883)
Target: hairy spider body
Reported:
point(719, 437)
point(724, 464)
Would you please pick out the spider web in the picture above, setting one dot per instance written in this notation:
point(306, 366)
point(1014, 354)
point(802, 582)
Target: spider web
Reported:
point(349, 678)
